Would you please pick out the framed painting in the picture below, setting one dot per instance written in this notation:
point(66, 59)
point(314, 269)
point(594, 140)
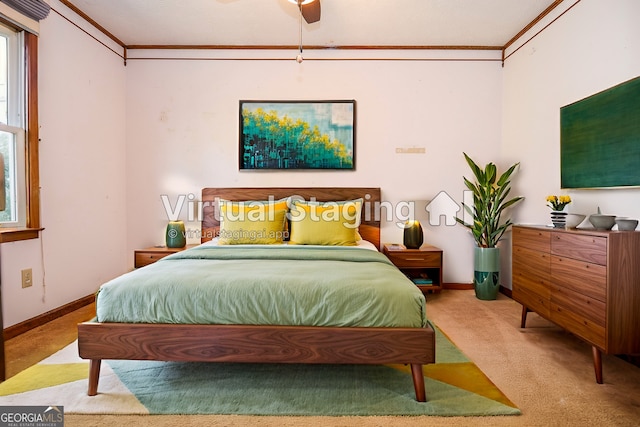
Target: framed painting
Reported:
point(297, 135)
point(600, 139)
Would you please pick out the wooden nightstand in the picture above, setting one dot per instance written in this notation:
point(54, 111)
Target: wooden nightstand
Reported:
point(420, 265)
point(150, 255)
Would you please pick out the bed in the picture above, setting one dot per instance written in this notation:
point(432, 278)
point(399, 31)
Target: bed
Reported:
point(299, 333)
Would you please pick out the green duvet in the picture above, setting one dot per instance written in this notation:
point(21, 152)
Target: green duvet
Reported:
point(266, 285)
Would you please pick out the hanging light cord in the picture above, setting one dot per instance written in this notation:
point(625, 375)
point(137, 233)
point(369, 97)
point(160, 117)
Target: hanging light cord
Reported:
point(299, 58)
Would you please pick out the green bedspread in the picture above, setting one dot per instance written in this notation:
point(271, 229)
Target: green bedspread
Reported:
point(266, 285)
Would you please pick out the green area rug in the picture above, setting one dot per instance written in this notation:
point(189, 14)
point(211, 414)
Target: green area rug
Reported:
point(455, 387)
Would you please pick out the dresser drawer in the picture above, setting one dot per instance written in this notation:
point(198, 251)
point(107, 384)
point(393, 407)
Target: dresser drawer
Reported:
point(579, 276)
point(145, 258)
point(581, 247)
point(531, 283)
point(532, 300)
point(579, 325)
point(589, 308)
point(531, 263)
point(417, 259)
point(532, 238)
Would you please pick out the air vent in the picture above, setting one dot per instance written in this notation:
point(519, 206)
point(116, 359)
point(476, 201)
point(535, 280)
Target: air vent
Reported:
point(34, 9)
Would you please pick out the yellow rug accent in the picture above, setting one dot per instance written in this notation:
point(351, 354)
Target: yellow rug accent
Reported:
point(44, 375)
point(466, 376)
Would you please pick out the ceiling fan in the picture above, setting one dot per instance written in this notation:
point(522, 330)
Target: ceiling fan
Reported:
point(310, 9)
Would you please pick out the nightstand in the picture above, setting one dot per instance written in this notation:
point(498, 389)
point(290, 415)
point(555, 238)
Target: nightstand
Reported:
point(423, 266)
point(150, 255)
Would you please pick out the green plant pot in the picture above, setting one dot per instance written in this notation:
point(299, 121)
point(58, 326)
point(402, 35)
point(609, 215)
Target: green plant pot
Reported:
point(486, 272)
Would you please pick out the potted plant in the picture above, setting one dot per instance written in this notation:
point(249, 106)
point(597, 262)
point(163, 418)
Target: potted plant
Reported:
point(490, 199)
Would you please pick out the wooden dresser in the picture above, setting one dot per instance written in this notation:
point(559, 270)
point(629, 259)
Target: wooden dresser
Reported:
point(585, 281)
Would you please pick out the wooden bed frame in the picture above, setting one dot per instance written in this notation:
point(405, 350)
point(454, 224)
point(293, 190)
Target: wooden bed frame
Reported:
point(263, 344)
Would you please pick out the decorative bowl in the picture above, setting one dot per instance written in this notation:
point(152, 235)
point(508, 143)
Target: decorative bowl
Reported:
point(574, 220)
point(626, 224)
point(602, 222)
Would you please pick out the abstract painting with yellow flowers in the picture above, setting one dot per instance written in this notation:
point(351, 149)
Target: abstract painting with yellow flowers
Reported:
point(297, 135)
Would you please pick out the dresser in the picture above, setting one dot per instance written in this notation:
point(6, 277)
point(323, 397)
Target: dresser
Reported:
point(585, 281)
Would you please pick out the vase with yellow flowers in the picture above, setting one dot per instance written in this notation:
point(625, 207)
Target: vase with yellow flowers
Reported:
point(557, 205)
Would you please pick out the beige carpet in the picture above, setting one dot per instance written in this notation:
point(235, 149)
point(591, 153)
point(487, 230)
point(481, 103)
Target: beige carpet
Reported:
point(546, 372)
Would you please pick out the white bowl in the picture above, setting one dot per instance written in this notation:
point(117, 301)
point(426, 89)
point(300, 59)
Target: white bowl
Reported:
point(626, 224)
point(574, 220)
point(602, 222)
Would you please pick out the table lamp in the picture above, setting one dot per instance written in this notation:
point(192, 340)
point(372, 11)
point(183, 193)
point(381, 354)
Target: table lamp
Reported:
point(413, 236)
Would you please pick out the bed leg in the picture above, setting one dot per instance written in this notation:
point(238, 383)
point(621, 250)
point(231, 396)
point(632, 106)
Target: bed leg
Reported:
point(418, 382)
point(94, 375)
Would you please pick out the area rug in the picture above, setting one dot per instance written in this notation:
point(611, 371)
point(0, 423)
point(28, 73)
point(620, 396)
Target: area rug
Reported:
point(454, 385)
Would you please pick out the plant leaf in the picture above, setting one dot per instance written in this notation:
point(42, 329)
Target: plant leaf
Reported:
point(490, 199)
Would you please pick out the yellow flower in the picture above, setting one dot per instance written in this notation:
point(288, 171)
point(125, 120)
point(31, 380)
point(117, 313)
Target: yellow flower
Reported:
point(557, 203)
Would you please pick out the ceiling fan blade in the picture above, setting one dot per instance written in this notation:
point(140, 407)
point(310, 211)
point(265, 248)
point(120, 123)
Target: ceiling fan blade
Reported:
point(311, 12)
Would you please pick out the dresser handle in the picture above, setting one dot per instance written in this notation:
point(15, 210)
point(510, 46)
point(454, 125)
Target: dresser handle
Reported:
point(414, 259)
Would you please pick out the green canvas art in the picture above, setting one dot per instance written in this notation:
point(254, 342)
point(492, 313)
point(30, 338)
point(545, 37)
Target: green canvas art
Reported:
point(297, 135)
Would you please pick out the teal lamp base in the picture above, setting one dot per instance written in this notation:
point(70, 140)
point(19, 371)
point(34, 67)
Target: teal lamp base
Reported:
point(413, 235)
point(176, 236)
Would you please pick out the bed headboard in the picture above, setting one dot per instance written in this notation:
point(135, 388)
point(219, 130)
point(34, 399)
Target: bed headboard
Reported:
point(369, 226)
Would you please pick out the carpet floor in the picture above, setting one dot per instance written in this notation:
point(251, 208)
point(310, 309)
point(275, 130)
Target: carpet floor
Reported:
point(455, 387)
point(545, 371)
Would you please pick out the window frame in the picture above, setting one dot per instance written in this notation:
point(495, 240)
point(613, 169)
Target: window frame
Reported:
point(32, 174)
point(14, 123)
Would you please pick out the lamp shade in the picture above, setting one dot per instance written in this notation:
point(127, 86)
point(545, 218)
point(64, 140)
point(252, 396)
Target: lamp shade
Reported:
point(413, 236)
point(175, 237)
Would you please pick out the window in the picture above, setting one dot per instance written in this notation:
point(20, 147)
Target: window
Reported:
point(13, 212)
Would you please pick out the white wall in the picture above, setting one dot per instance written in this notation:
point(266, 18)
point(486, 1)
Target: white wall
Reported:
point(592, 47)
point(182, 130)
point(82, 174)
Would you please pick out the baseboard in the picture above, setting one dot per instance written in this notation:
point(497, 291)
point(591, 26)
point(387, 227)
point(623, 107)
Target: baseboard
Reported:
point(458, 286)
point(466, 286)
point(506, 291)
point(22, 327)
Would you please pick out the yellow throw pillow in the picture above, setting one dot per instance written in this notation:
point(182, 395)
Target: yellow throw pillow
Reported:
point(330, 223)
point(252, 222)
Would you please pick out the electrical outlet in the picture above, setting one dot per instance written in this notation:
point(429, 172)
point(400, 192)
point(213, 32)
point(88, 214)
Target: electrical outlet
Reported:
point(27, 278)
